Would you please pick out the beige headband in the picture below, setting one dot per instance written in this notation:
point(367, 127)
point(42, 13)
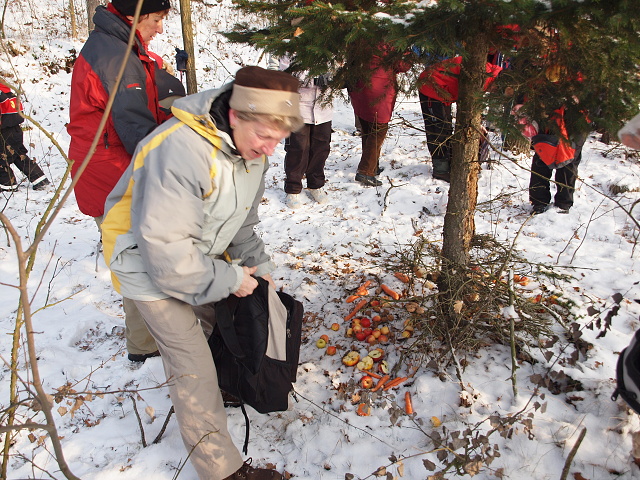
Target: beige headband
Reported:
point(266, 101)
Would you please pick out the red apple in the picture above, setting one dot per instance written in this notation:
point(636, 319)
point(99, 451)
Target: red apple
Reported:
point(365, 322)
point(361, 336)
point(383, 339)
point(331, 350)
point(366, 382)
point(335, 327)
point(325, 338)
point(371, 340)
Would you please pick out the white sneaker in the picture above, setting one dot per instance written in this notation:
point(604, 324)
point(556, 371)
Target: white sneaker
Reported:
point(319, 195)
point(293, 200)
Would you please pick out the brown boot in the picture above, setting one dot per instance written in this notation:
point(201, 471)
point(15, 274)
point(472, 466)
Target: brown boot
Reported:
point(247, 472)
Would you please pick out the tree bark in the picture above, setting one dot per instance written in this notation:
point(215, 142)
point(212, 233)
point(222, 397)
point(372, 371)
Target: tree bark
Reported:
point(187, 35)
point(72, 17)
point(459, 223)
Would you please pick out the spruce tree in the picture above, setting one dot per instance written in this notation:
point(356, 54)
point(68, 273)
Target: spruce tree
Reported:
point(582, 55)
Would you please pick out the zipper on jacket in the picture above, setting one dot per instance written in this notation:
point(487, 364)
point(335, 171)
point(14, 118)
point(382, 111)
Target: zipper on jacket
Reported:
point(106, 140)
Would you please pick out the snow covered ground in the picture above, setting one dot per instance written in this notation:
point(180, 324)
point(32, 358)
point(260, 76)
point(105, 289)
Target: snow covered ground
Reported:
point(323, 253)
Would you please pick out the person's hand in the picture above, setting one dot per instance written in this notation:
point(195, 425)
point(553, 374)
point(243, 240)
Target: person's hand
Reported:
point(268, 278)
point(248, 284)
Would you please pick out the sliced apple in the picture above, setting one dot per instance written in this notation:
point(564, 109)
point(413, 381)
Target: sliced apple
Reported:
point(377, 354)
point(366, 363)
point(351, 358)
point(383, 367)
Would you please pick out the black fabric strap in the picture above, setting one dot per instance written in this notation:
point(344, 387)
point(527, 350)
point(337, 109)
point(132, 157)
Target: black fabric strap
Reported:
point(224, 321)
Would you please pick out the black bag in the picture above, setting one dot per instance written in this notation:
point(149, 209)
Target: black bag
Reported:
point(239, 345)
point(628, 374)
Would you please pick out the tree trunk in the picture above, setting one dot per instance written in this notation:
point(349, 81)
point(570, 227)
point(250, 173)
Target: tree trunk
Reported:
point(459, 224)
point(72, 17)
point(91, 9)
point(187, 35)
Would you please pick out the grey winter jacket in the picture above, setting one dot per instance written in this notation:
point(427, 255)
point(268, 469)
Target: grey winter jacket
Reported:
point(186, 201)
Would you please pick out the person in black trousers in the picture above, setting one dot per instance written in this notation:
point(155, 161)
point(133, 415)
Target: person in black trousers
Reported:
point(12, 149)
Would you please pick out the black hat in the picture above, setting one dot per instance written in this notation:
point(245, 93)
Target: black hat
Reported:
point(128, 7)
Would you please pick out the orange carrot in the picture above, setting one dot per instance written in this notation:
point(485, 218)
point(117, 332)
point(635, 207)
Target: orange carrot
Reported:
point(380, 383)
point(392, 293)
point(361, 292)
point(394, 383)
point(408, 405)
point(352, 298)
point(374, 375)
point(402, 277)
point(356, 309)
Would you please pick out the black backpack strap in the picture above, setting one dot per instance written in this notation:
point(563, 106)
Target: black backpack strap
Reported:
point(245, 447)
point(224, 320)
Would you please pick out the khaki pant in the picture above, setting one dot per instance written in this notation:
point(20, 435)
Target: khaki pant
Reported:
point(139, 340)
point(193, 386)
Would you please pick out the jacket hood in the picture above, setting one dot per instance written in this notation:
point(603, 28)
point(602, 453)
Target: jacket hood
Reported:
point(195, 111)
point(109, 23)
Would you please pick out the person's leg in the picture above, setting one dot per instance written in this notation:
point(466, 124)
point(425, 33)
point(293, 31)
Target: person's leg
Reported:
point(539, 190)
point(319, 148)
point(193, 387)
point(140, 343)
point(373, 135)
point(296, 159)
point(14, 138)
point(7, 178)
point(566, 183)
point(438, 125)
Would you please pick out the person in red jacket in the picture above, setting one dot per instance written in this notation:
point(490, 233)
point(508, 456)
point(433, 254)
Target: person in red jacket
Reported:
point(373, 104)
point(134, 114)
point(12, 149)
point(438, 91)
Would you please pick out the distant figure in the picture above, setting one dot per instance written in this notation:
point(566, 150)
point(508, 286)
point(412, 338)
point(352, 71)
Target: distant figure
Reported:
point(373, 104)
point(308, 148)
point(438, 90)
point(12, 149)
point(560, 153)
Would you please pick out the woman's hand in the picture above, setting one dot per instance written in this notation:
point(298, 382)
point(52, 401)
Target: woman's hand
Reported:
point(248, 284)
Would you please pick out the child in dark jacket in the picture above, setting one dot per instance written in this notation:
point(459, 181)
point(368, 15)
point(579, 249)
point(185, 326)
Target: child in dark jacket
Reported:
point(12, 149)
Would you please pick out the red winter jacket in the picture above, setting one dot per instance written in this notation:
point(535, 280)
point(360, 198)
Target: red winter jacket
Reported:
point(9, 108)
point(441, 80)
point(134, 114)
point(374, 102)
